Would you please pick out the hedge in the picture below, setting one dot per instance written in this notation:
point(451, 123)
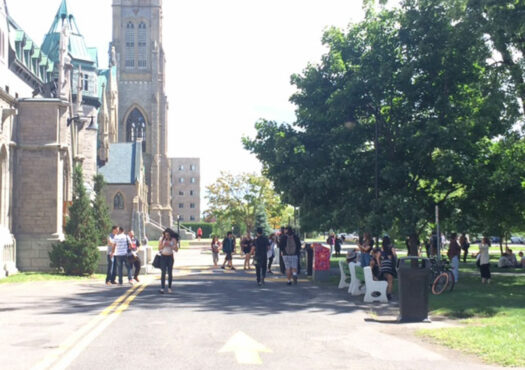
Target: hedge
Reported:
point(207, 228)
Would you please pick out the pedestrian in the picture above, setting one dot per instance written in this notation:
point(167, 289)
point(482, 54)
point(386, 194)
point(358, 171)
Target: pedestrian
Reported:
point(331, 242)
point(168, 245)
point(271, 252)
point(454, 251)
point(388, 263)
point(199, 234)
point(261, 248)
point(338, 242)
point(215, 245)
point(365, 246)
point(484, 260)
point(464, 243)
point(111, 272)
point(120, 251)
point(289, 246)
point(282, 235)
point(228, 248)
point(246, 248)
point(134, 259)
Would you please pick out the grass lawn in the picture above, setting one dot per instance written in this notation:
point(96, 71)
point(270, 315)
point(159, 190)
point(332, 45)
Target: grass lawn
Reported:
point(26, 277)
point(493, 318)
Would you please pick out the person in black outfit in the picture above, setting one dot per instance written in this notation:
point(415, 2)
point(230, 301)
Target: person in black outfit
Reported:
point(282, 236)
point(262, 244)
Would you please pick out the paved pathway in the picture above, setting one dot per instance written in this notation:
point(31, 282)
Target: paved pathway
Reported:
point(214, 319)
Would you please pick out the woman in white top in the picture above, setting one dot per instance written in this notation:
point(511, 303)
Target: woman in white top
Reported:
point(168, 244)
point(484, 260)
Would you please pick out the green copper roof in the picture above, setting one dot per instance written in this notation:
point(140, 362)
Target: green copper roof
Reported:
point(19, 35)
point(28, 45)
point(93, 53)
point(77, 45)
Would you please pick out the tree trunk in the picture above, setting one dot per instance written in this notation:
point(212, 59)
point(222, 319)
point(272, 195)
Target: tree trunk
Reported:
point(413, 241)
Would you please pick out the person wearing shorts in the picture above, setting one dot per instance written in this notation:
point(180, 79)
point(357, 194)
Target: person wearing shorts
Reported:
point(289, 245)
point(227, 248)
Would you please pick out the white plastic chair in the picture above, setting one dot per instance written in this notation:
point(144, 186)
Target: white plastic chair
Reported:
point(373, 286)
point(356, 286)
point(343, 283)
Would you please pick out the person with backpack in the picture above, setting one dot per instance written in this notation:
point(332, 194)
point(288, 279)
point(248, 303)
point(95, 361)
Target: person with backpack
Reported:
point(289, 245)
point(228, 248)
point(262, 245)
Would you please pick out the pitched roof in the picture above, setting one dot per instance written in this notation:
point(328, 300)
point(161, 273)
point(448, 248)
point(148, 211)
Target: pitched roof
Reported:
point(124, 165)
point(77, 45)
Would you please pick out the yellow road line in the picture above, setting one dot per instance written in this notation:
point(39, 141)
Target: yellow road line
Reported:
point(84, 330)
point(71, 355)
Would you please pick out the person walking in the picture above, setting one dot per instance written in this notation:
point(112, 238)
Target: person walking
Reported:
point(246, 248)
point(168, 245)
point(484, 260)
point(120, 251)
point(338, 243)
point(227, 248)
point(134, 259)
point(289, 245)
point(262, 246)
point(111, 272)
point(271, 252)
point(465, 245)
point(331, 242)
point(454, 251)
point(282, 236)
point(215, 246)
point(199, 234)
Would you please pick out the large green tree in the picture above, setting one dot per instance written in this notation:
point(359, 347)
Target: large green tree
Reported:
point(78, 253)
point(390, 122)
point(234, 199)
point(101, 210)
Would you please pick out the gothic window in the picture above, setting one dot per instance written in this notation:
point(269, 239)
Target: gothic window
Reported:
point(136, 127)
point(141, 51)
point(130, 45)
point(118, 201)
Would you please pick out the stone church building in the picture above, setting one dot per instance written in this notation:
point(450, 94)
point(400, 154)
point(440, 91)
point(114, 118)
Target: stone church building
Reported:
point(59, 109)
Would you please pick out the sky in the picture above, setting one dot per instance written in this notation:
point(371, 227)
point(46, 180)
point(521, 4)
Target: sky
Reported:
point(229, 63)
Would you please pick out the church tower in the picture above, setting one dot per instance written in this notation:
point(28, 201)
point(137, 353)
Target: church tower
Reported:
point(140, 59)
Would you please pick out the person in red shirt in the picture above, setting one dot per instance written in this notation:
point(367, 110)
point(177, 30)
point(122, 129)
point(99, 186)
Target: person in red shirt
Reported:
point(199, 234)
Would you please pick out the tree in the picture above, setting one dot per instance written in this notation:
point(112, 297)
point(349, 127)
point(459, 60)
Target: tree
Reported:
point(78, 253)
point(390, 123)
point(261, 219)
point(235, 199)
point(101, 210)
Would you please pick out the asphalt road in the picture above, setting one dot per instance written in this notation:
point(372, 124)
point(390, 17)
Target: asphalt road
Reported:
point(213, 319)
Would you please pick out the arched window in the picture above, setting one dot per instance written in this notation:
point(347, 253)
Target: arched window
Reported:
point(142, 55)
point(130, 45)
point(136, 127)
point(118, 201)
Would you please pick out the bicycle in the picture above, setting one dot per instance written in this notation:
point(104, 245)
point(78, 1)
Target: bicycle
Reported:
point(442, 277)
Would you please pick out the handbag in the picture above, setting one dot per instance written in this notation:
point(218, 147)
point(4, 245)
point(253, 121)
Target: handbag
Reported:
point(156, 261)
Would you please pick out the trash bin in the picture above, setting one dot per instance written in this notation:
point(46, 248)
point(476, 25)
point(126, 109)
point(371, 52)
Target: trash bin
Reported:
point(309, 258)
point(321, 261)
point(414, 282)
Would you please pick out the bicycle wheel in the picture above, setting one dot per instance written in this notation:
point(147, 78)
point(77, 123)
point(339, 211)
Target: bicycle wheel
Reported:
point(451, 281)
point(440, 283)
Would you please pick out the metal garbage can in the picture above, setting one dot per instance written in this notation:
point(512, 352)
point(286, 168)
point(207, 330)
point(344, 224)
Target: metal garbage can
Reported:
point(414, 282)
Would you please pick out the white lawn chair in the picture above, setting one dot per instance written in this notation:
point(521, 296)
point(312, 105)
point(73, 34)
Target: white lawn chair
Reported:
point(343, 282)
point(374, 286)
point(356, 286)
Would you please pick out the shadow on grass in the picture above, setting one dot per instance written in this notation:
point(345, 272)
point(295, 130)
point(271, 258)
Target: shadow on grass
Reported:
point(471, 298)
